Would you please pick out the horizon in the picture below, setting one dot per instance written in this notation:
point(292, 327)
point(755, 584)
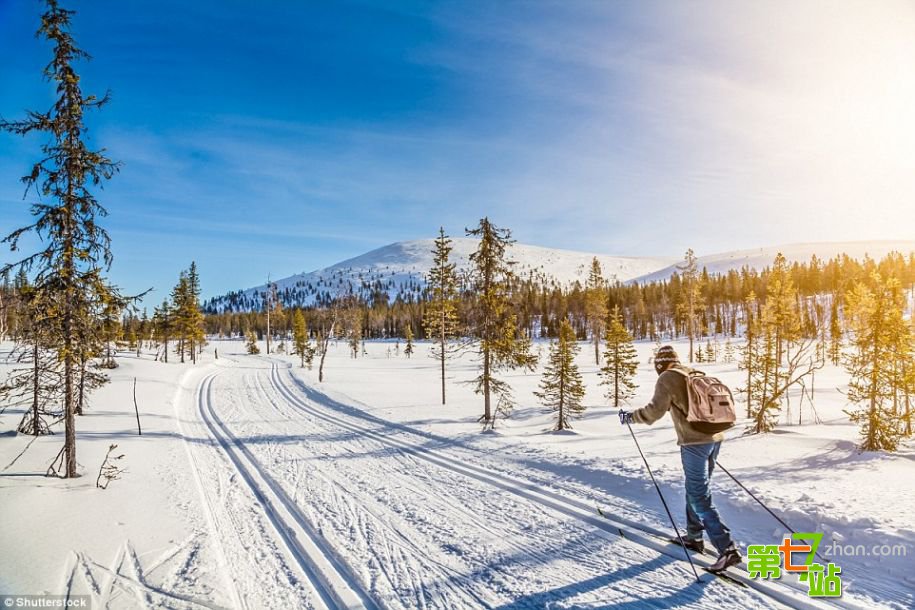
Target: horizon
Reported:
point(704, 259)
point(264, 142)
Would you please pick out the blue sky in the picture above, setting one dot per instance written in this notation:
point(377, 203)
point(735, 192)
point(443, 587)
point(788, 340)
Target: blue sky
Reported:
point(279, 137)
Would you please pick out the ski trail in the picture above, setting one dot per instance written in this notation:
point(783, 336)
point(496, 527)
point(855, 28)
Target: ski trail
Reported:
point(209, 516)
point(527, 490)
point(392, 546)
point(329, 576)
point(569, 554)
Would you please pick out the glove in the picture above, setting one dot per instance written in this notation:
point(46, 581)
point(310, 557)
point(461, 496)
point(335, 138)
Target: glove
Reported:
point(625, 417)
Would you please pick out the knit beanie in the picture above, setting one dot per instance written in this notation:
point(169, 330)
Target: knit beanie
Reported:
point(664, 357)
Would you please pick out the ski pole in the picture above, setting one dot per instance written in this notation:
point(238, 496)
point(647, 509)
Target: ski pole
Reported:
point(664, 502)
point(761, 503)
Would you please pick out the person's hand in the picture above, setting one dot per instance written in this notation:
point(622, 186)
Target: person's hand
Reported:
point(625, 417)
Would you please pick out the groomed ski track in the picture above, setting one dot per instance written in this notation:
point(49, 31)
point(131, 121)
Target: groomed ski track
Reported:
point(320, 504)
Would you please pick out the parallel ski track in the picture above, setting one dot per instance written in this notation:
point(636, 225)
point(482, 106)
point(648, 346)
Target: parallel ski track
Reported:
point(398, 538)
point(326, 573)
point(783, 593)
point(237, 600)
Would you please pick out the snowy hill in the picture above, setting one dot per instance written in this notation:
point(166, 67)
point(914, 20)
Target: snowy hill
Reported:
point(399, 269)
point(759, 258)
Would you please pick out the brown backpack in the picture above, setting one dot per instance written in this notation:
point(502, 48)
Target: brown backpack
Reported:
point(711, 403)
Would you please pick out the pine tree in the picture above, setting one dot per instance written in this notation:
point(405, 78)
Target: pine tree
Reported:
point(251, 343)
point(596, 305)
point(691, 301)
point(352, 319)
point(749, 352)
point(441, 318)
point(835, 333)
point(408, 335)
point(163, 325)
point(620, 361)
point(764, 381)
point(778, 357)
point(500, 343)
point(561, 387)
point(110, 328)
point(76, 248)
point(37, 383)
point(882, 343)
point(781, 300)
point(301, 341)
point(194, 320)
point(728, 351)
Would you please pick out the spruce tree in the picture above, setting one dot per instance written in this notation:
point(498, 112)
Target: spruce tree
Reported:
point(500, 342)
point(620, 361)
point(596, 305)
point(408, 336)
point(441, 317)
point(301, 341)
point(163, 326)
point(881, 342)
point(561, 387)
point(691, 300)
point(251, 343)
point(835, 333)
point(192, 315)
point(76, 249)
point(37, 383)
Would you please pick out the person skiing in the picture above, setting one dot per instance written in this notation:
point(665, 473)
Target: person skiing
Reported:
point(698, 453)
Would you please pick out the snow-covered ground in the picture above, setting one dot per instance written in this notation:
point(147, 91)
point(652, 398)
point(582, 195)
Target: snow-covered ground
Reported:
point(254, 486)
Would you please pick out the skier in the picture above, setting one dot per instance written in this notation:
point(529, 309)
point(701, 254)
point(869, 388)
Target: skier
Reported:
point(698, 452)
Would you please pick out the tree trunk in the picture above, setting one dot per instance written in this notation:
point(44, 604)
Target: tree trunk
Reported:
point(487, 410)
point(36, 389)
point(442, 338)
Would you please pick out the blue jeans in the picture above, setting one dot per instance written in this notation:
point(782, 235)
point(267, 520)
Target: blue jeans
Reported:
point(701, 514)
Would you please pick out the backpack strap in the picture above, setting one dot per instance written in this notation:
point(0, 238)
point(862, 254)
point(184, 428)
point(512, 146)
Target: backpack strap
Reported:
point(688, 373)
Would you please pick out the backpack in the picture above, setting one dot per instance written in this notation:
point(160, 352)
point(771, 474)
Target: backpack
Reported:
point(711, 403)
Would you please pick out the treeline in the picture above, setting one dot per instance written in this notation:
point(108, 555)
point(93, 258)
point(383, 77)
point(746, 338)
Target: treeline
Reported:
point(655, 310)
point(788, 320)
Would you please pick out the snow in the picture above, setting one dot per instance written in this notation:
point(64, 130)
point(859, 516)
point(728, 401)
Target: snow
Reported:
point(254, 486)
point(401, 268)
point(760, 258)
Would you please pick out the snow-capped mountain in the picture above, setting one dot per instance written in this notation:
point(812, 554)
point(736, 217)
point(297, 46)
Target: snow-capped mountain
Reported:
point(759, 258)
point(399, 269)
